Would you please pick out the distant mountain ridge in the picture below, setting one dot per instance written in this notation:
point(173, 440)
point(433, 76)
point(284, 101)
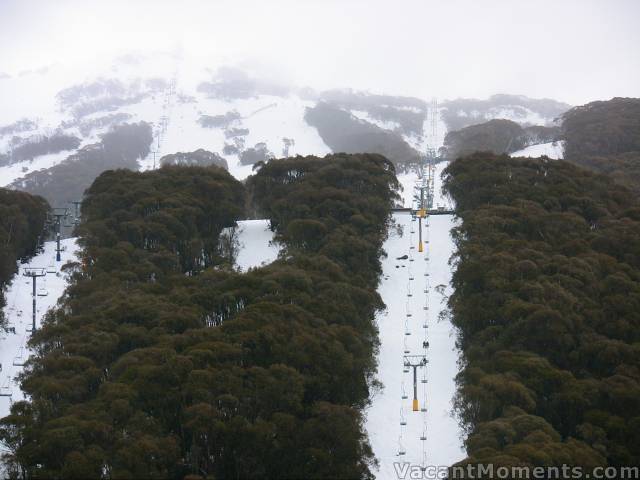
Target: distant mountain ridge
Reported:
point(239, 117)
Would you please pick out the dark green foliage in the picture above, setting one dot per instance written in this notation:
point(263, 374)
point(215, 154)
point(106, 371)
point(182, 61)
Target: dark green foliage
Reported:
point(498, 136)
point(199, 158)
point(171, 217)
point(22, 218)
point(146, 372)
point(343, 132)
point(536, 134)
point(547, 300)
point(605, 136)
point(121, 147)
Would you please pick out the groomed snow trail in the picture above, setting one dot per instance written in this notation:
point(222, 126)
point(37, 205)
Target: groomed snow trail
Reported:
point(256, 244)
point(13, 346)
point(426, 278)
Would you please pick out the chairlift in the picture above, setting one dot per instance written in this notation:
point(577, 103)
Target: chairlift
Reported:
point(51, 269)
point(42, 292)
point(5, 389)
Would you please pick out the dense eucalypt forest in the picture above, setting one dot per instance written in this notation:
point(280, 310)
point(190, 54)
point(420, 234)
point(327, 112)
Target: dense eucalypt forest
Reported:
point(604, 136)
point(497, 136)
point(547, 300)
point(162, 361)
point(22, 220)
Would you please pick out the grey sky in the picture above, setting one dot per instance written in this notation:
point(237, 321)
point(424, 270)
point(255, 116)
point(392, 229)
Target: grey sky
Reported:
point(571, 50)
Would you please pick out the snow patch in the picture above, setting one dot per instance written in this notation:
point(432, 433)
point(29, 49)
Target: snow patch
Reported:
point(553, 150)
point(257, 247)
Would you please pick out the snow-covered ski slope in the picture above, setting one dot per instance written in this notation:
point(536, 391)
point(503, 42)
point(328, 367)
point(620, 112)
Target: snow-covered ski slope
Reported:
point(257, 247)
point(415, 291)
point(553, 150)
point(418, 276)
point(174, 114)
point(18, 312)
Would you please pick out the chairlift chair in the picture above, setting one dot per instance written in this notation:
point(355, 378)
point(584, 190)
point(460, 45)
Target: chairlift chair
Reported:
point(403, 420)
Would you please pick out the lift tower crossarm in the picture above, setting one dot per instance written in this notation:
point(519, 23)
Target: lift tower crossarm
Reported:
point(415, 362)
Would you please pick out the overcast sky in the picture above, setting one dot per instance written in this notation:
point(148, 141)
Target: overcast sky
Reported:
point(571, 50)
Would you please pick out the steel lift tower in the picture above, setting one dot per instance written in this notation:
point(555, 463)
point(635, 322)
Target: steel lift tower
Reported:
point(59, 213)
point(34, 273)
point(415, 362)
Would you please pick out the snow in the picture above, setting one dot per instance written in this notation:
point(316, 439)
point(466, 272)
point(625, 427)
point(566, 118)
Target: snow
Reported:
point(384, 124)
point(415, 292)
point(256, 244)
point(518, 114)
point(443, 445)
point(12, 172)
point(268, 118)
point(408, 181)
point(553, 150)
point(18, 313)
